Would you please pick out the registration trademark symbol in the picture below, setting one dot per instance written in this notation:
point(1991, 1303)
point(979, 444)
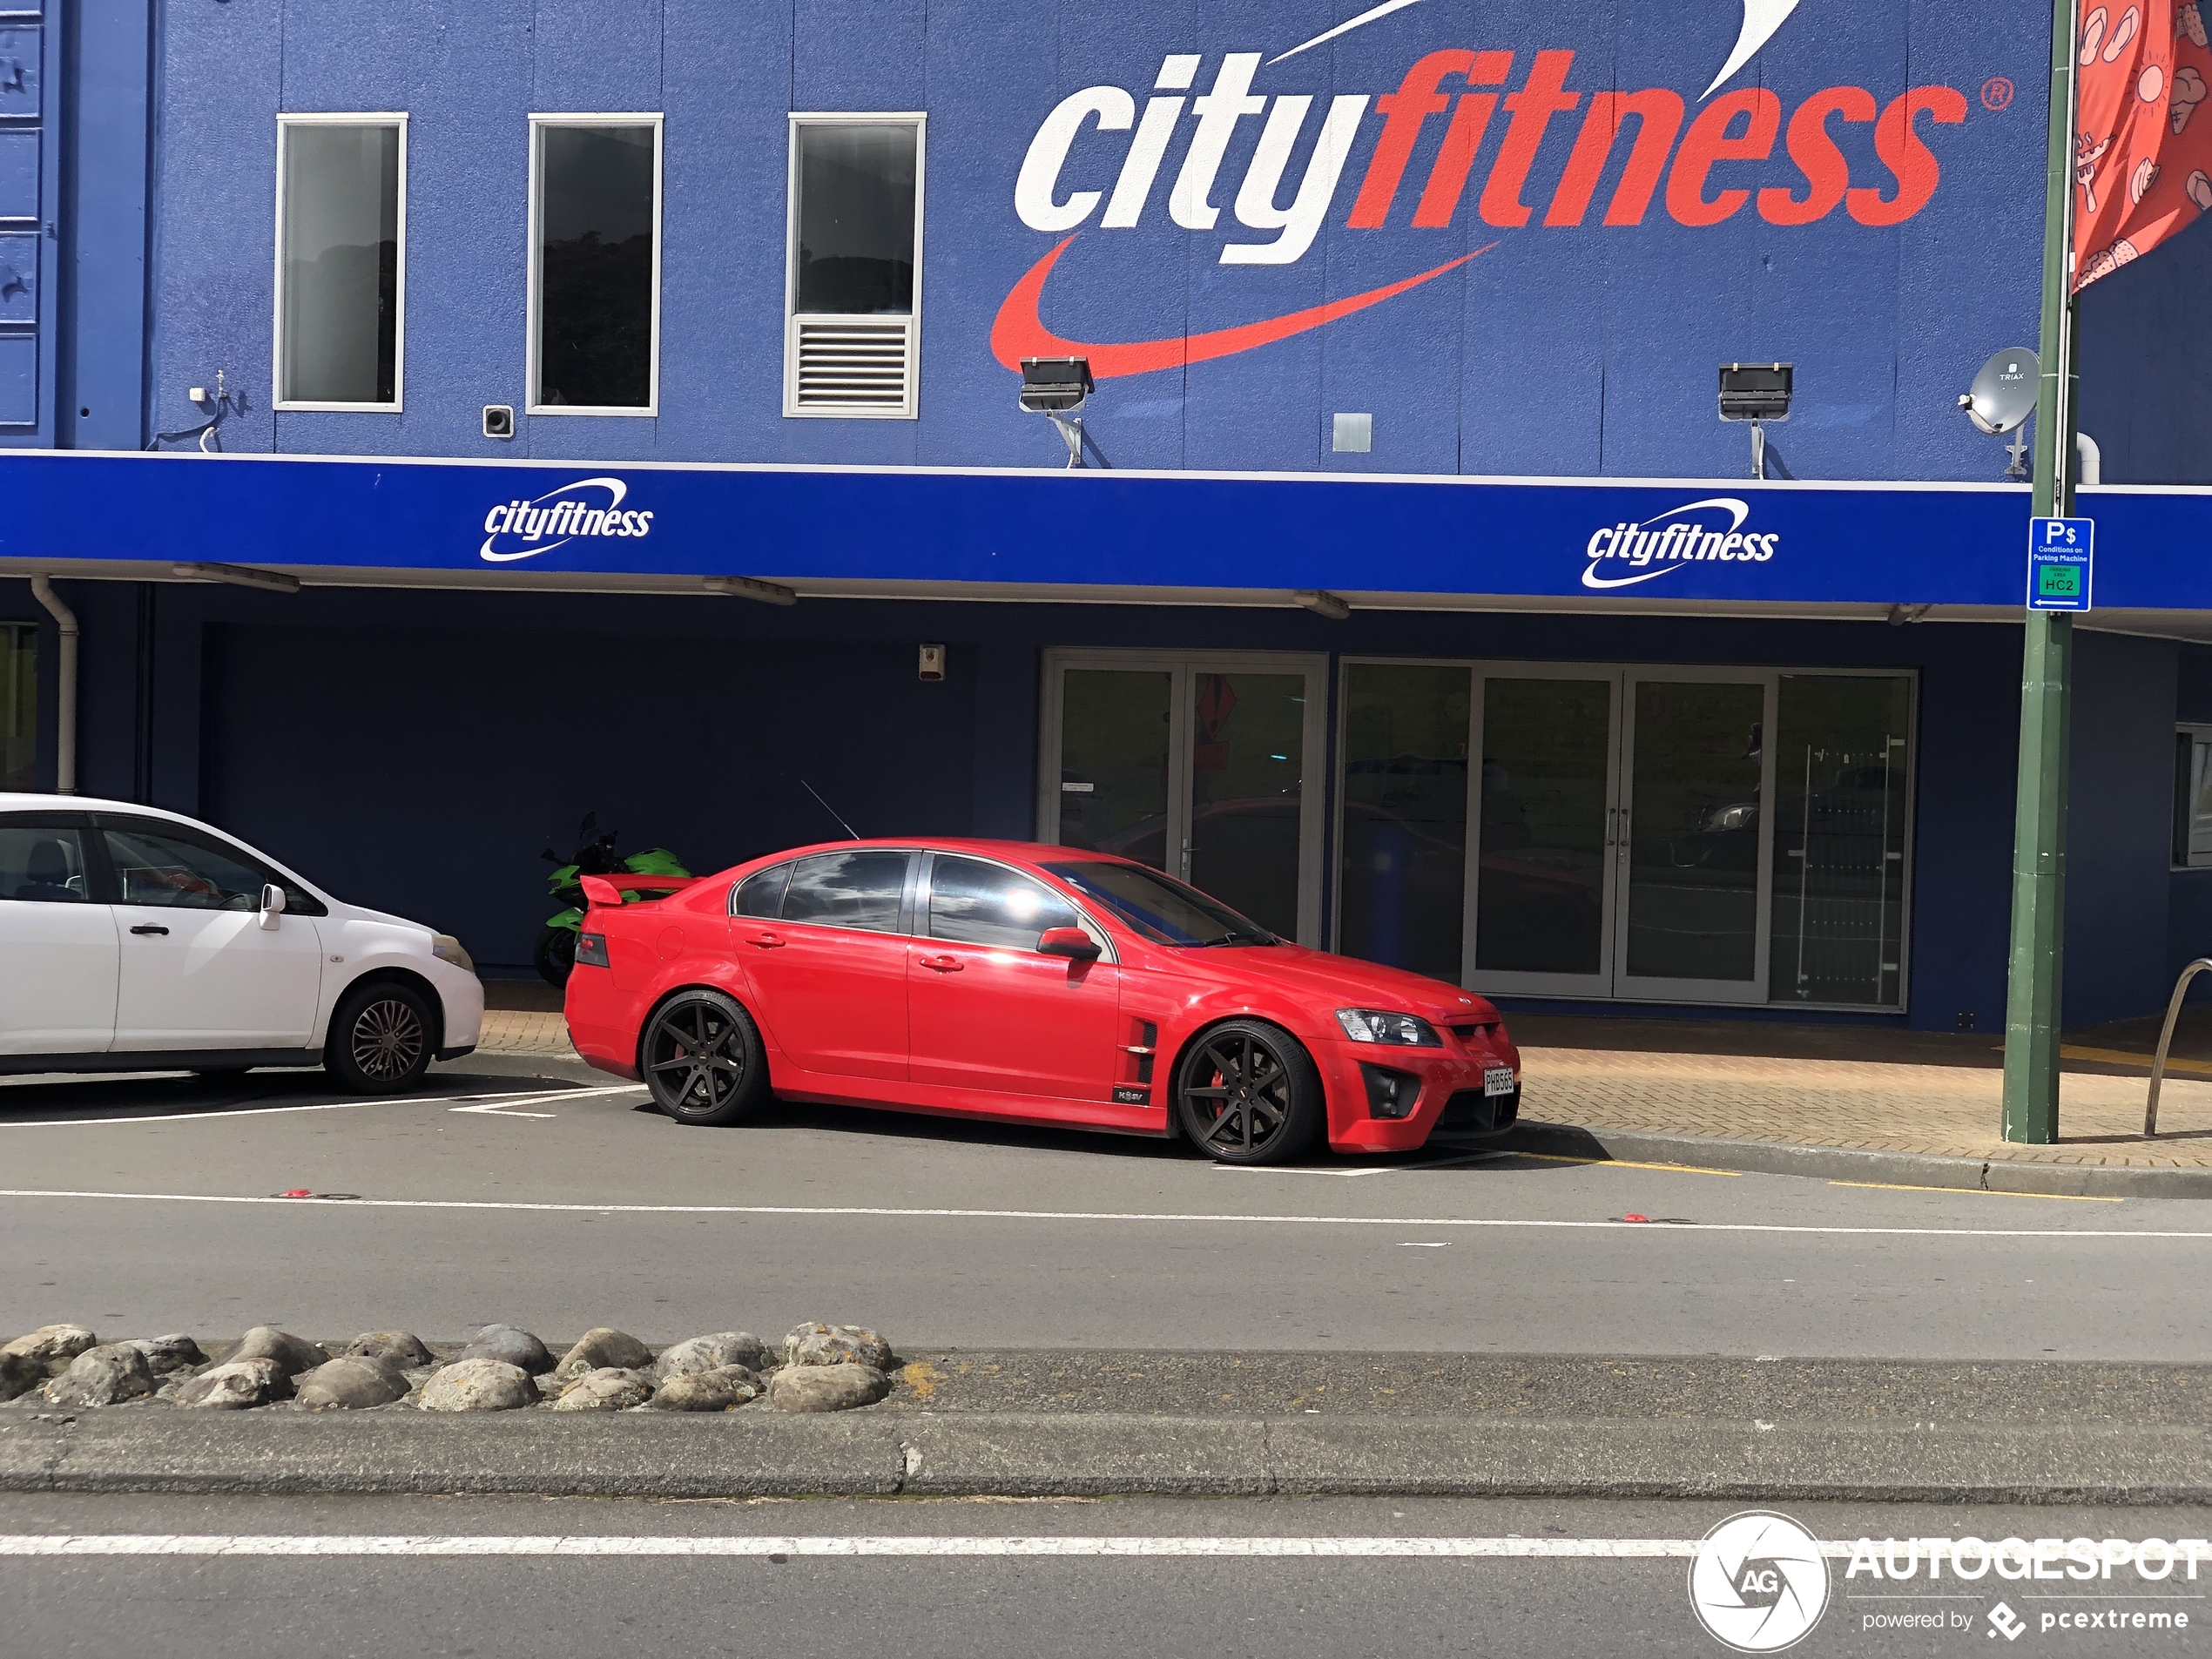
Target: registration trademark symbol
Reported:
point(1996, 93)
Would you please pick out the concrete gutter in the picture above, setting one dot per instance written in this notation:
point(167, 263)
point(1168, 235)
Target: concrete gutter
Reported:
point(1853, 1163)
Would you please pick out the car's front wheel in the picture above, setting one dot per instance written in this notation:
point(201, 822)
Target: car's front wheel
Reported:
point(1248, 1093)
point(380, 1038)
point(702, 1059)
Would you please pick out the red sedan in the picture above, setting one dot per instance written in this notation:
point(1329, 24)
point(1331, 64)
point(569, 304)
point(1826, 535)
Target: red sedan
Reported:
point(1029, 984)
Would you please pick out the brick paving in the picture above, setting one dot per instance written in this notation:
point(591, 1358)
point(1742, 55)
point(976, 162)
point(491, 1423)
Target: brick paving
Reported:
point(525, 1031)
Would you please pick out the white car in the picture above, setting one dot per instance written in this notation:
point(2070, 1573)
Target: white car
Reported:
point(136, 940)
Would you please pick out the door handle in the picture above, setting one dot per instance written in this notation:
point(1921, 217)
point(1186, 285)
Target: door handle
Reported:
point(149, 928)
point(943, 964)
point(768, 942)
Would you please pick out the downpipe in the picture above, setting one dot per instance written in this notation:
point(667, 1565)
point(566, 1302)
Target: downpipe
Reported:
point(65, 699)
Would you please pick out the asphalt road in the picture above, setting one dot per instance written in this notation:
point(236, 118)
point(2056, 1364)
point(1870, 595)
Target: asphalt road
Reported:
point(581, 1208)
point(770, 1594)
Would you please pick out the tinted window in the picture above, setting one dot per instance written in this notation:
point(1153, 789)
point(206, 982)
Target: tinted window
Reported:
point(1158, 907)
point(42, 864)
point(761, 893)
point(847, 890)
point(856, 219)
point(977, 903)
point(341, 272)
point(178, 870)
point(595, 302)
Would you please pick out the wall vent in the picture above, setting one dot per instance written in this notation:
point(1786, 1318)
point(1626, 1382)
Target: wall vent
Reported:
point(851, 365)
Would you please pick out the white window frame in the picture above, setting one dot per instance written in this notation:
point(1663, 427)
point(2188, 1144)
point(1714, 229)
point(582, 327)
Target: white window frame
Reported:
point(2201, 737)
point(341, 118)
point(537, 126)
point(919, 119)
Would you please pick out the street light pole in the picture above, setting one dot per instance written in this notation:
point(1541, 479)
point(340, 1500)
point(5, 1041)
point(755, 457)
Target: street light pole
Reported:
point(2033, 1002)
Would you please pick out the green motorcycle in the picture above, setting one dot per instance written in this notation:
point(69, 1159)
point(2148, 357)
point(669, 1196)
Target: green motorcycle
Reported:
point(594, 854)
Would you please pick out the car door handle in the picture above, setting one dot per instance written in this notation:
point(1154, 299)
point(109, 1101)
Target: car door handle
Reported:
point(150, 928)
point(768, 942)
point(943, 964)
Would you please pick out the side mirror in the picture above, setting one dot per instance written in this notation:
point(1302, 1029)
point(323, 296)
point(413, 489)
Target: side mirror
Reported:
point(272, 905)
point(1071, 943)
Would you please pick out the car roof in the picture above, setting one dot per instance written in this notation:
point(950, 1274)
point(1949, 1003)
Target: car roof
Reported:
point(1022, 852)
point(21, 802)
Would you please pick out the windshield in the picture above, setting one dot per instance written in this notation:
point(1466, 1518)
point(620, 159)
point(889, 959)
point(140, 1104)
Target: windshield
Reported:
point(1160, 910)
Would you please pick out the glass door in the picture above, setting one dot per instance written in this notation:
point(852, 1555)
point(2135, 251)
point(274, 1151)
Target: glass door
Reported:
point(1198, 765)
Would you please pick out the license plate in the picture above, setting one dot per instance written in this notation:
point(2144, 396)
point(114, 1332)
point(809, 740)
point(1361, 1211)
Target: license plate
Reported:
point(1497, 1080)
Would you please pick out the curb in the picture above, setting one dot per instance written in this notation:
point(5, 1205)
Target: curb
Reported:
point(1853, 1163)
point(753, 1454)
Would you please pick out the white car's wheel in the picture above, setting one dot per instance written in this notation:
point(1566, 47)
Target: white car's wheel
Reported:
point(380, 1038)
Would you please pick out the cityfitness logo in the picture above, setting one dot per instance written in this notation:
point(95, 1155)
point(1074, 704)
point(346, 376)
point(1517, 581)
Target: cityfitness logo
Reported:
point(523, 529)
point(1758, 1582)
point(1712, 529)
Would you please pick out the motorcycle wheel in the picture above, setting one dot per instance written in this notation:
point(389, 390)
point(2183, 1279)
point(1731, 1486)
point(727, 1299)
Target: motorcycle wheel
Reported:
point(555, 956)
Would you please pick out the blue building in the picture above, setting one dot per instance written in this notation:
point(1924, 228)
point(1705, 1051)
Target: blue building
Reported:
point(559, 408)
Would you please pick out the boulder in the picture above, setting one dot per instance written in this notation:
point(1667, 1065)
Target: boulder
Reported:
point(606, 1389)
point(478, 1386)
point(711, 1353)
point(51, 1348)
point(293, 1353)
point(106, 1375)
point(722, 1389)
point(19, 1375)
point(836, 1345)
point(165, 1354)
point(604, 1349)
point(826, 1388)
point(236, 1385)
point(509, 1346)
point(351, 1383)
point(398, 1348)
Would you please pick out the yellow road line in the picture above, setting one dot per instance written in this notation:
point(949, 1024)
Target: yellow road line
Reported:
point(2125, 1057)
point(1623, 1164)
point(1986, 1192)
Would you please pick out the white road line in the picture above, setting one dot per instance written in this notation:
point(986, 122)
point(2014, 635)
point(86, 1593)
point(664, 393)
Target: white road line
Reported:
point(473, 1544)
point(1681, 1230)
point(216, 1114)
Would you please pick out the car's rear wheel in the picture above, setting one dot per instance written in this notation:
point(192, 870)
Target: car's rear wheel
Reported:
point(1248, 1093)
point(555, 955)
point(380, 1038)
point(702, 1059)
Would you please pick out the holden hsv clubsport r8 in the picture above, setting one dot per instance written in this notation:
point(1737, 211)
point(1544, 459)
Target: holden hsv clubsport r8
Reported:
point(1026, 983)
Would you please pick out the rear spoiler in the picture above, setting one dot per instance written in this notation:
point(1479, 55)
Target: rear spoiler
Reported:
point(607, 889)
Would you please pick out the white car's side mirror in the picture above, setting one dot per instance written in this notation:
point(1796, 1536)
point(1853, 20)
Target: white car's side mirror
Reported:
point(272, 905)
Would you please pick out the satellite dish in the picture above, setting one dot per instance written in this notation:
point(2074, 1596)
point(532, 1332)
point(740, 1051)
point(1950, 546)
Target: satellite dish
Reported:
point(2004, 392)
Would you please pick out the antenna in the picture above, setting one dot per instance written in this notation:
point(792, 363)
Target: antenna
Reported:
point(827, 807)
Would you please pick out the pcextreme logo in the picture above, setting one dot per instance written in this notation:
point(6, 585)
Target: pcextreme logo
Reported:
point(523, 528)
point(1661, 546)
point(1670, 156)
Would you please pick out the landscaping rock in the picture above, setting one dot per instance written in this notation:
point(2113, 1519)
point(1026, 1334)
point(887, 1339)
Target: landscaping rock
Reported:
point(711, 1354)
point(836, 1345)
point(293, 1353)
point(722, 1389)
point(106, 1375)
point(603, 1349)
point(827, 1387)
point(479, 1385)
point(165, 1354)
point(51, 1346)
point(509, 1346)
point(237, 1385)
point(19, 1375)
point(607, 1389)
point(398, 1348)
point(351, 1383)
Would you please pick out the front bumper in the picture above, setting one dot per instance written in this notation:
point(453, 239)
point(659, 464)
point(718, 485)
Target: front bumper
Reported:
point(1448, 1076)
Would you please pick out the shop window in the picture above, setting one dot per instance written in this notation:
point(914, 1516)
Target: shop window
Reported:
point(341, 261)
point(1405, 826)
point(2193, 797)
point(19, 706)
point(1842, 773)
point(595, 265)
point(853, 311)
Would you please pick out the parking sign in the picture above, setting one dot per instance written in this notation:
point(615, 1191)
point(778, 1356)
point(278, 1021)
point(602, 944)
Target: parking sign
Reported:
point(2059, 562)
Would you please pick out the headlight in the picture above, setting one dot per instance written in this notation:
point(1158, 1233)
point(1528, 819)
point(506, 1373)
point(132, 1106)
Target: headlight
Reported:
point(1371, 1025)
point(446, 949)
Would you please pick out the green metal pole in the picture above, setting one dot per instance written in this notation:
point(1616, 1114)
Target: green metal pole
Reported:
point(2033, 996)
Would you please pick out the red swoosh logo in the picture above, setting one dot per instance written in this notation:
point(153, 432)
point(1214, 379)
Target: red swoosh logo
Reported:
point(1019, 332)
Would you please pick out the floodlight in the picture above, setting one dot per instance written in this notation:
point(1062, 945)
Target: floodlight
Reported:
point(1758, 392)
point(1056, 388)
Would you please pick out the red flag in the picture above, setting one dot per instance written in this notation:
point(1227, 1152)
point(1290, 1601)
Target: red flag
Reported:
point(2142, 147)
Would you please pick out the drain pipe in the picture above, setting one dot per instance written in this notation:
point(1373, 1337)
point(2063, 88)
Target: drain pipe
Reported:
point(65, 703)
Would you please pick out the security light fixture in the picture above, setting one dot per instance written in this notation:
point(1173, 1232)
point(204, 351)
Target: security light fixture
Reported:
point(1322, 603)
point(242, 576)
point(1758, 392)
point(743, 587)
point(1056, 388)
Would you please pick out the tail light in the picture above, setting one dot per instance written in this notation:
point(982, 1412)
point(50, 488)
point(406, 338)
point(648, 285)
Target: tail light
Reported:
point(591, 950)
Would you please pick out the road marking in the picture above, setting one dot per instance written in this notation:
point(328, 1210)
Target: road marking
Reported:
point(568, 1544)
point(1623, 1164)
point(1986, 1192)
point(889, 1213)
point(217, 1113)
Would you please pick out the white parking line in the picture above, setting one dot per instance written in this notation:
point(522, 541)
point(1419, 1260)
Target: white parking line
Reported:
point(1680, 1230)
point(217, 1113)
point(1109, 1547)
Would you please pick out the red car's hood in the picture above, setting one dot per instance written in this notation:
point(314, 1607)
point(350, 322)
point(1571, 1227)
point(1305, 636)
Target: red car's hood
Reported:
point(1341, 981)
